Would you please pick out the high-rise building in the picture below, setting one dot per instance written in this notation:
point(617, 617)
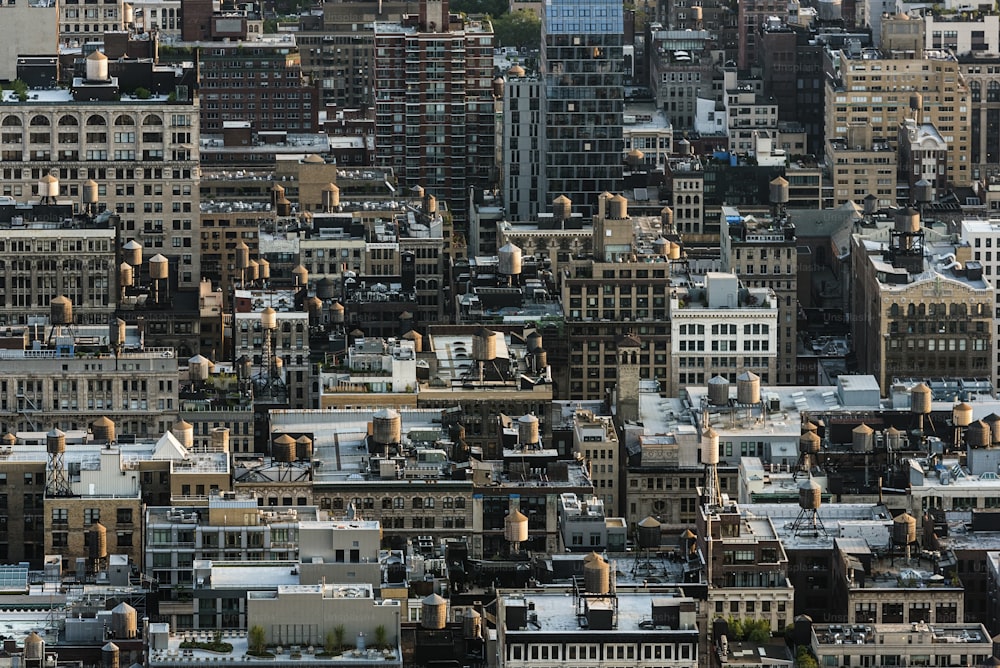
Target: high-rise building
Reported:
point(434, 115)
point(582, 99)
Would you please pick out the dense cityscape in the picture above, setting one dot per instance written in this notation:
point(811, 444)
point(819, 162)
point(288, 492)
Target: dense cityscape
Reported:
point(492, 334)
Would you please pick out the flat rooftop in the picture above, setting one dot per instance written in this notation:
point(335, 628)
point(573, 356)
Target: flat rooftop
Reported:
point(557, 613)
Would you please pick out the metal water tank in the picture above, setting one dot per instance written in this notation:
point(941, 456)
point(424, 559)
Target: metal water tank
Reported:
point(661, 247)
point(648, 534)
point(61, 311)
point(484, 345)
point(387, 427)
point(269, 319)
point(961, 415)
point(748, 388)
point(283, 449)
point(920, 399)
point(596, 574)
point(515, 527)
point(183, 431)
point(103, 429)
point(718, 391)
point(263, 269)
point(527, 430)
point(433, 613)
point(159, 267)
point(55, 442)
point(861, 438)
point(132, 252)
point(710, 447)
point(894, 438)
point(810, 495)
point(904, 530)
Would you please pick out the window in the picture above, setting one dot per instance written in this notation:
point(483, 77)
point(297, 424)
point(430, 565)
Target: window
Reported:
point(91, 515)
point(60, 516)
point(124, 516)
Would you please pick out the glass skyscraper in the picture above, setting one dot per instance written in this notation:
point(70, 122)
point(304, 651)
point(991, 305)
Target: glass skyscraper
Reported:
point(582, 99)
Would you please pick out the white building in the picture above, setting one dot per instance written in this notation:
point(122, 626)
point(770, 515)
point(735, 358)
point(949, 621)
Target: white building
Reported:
point(640, 627)
point(721, 329)
point(584, 526)
point(984, 237)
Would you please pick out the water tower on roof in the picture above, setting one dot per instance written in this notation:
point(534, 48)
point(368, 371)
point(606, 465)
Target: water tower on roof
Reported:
point(56, 480)
point(808, 521)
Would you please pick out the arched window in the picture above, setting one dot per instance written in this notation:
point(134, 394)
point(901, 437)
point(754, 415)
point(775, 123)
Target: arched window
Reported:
point(124, 119)
point(11, 122)
point(152, 119)
point(96, 120)
point(68, 121)
point(40, 121)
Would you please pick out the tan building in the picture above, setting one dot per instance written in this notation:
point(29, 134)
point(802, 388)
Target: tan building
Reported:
point(52, 506)
point(69, 383)
point(80, 24)
point(909, 644)
point(143, 155)
point(861, 165)
point(884, 88)
point(920, 306)
point(596, 442)
point(26, 28)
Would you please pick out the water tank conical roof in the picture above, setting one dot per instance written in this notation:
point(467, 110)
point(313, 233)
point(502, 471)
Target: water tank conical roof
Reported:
point(562, 207)
point(617, 208)
point(861, 438)
point(300, 275)
point(34, 647)
point(920, 399)
point(993, 420)
point(387, 427)
point(978, 435)
point(314, 159)
point(810, 495)
point(269, 318)
point(61, 310)
point(159, 267)
point(472, 624)
point(710, 447)
point(132, 252)
point(97, 67)
point(961, 415)
point(778, 191)
point(809, 443)
point(55, 442)
point(515, 71)
point(183, 431)
point(98, 541)
point(124, 621)
point(748, 388)
point(904, 529)
point(515, 527)
point(527, 430)
point(103, 429)
point(8, 439)
point(718, 391)
point(648, 533)
point(596, 574)
point(434, 612)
